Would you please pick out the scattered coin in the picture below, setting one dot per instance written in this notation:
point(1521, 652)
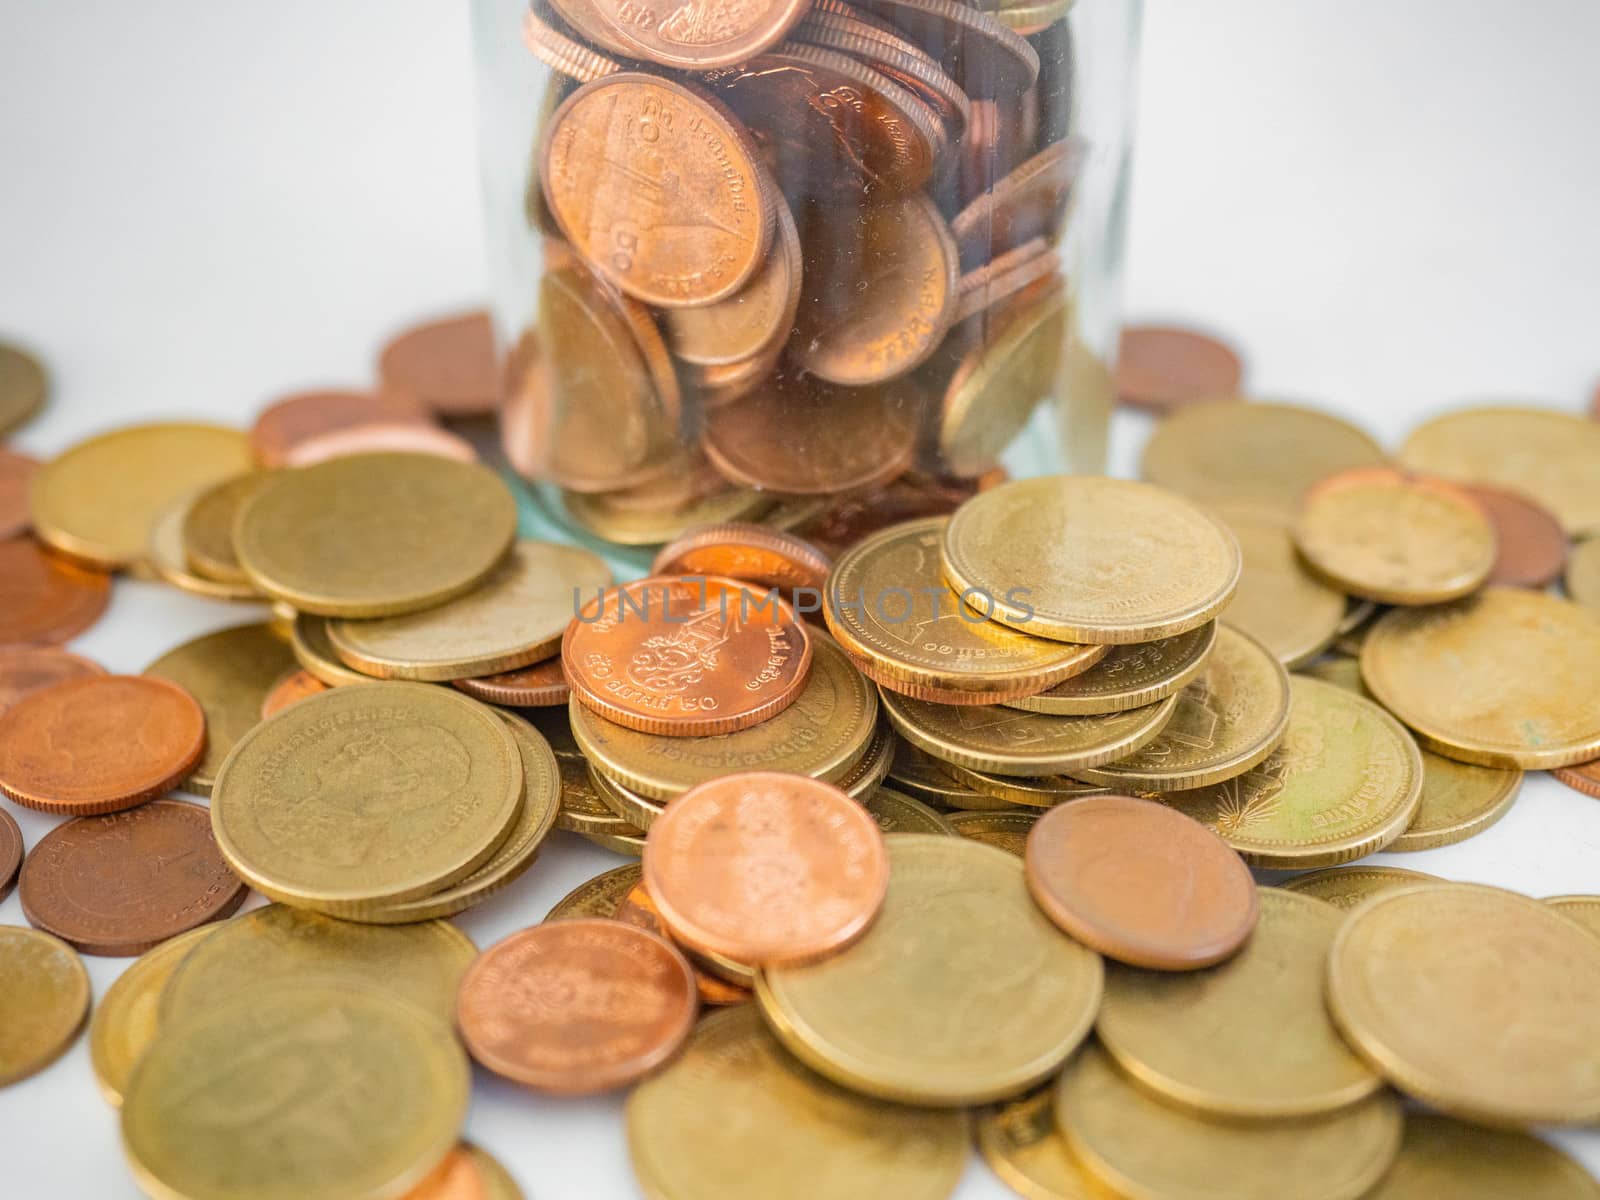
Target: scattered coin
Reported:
point(541, 685)
point(295, 684)
point(1442, 1157)
point(12, 850)
point(45, 598)
point(313, 650)
point(600, 896)
point(165, 555)
point(896, 812)
point(43, 1003)
point(450, 365)
point(208, 527)
point(1585, 910)
point(1160, 367)
point(403, 437)
point(129, 1014)
point(23, 384)
point(1021, 1144)
point(639, 908)
point(1582, 576)
point(1279, 602)
point(1128, 677)
point(16, 474)
point(1350, 887)
point(283, 425)
point(1531, 545)
point(28, 670)
point(1044, 791)
point(749, 553)
point(1582, 777)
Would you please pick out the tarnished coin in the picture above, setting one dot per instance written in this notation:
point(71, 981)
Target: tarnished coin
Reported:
point(449, 365)
point(16, 474)
point(23, 384)
point(598, 897)
point(896, 812)
point(1443, 1157)
point(1029, 202)
point(1350, 887)
point(193, 1123)
point(295, 684)
point(45, 598)
point(525, 1008)
point(639, 908)
point(342, 538)
point(313, 650)
point(1278, 601)
point(1459, 801)
point(752, 320)
point(43, 1003)
point(1161, 367)
point(99, 744)
point(1140, 883)
point(1582, 575)
point(129, 1015)
point(12, 851)
point(541, 685)
point(285, 424)
point(1091, 559)
point(749, 553)
point(1016, 995)
point(1128, 676)
point(208, 527)
point(1501, 679)
point(27, 670)
point(165, 555)
point(1022, 1146)
point(1531, 546)
point(1476, 1001)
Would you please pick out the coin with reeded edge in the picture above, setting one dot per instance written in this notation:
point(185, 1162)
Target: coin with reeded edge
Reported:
point(1091, 559)
point(366, 796)
point(1022, 1146)
point(1041, 791)
point(1581, 777)
point(45, 598)
point(1585, 910)
point(585, 807)
point(1501, 679)
point(1016, 995)
point(896, 812)
point(752, 553)
point(1279, 602)
point(43, 1003)
point(129, 1014)
point(598, 897)
point(378, 1094)
point(1128, 677)
point(1006, 831)
point(541, 685)
point(512, 618)
point(308, 640)
point(1350, 887)
point(1141, 1147)
point(1582, 576)
point(864, 778)
point(1442, 1157)
point(165, 556)
point(735, 1114)
point(208, 527)
point(1228, 719)
point(1477, 1001)
point(374, 535)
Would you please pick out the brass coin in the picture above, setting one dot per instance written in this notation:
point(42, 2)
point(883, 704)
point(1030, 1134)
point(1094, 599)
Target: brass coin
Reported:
point(97, 501)
point(584, 807)
point(516, 616)
point(600, 516)
point(129, 1015)
point(1279, 602)
point(1585, 910)
point(863, 778)
point(1350, 887)
point(598, 897)
point(1006, 831)
point(43, 1003)
point(1043, 554)
point(1231, 717)
point(1395, 538)
point(353, 1138)
point(1475, 1000)
point(1582, 577)
point(23, 384)
point(313, 650)
point(1550, 457)
point(1016, 996)
point(1442, 1157)
point(1501, 679)
point(1022, 1146)
point(366, 796)
point(1139, 1146)
point(229, 673)
point(1128, 677)
point(1044, 791)
point(1264, 453)
point(208, 527)
point(896, 812)
point(638, 811)
point(925, 778)
point(735, 1114)
point(1248, 1038)
point(166, 557)
point(1007, 741)
point(345, 537)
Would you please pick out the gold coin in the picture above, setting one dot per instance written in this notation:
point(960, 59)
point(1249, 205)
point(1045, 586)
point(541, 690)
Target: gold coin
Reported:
point(636, 810)
point(1502, 679)
point(313, 650)
point(1008, 741)
point(824, 733)
point(1090, 559)
point(1231, 717)
point(629, 526)
point(1015, 994)
point(230, 673)
point(1249, 1037)
point(1440, 1157)
point(583, 810)
point(1350, 887)
point(98, 501)
point(368, 795)
point(735, 1115)
point(887, 603)
point(1394, 537)
point(514, 617)
point(1585, 910)
point(1006, 831)
point(628, 841)
point(166, 558)
point(129, 1015)
point(421, 964)
point(1279, 602)
point(896, 812)
point(373, 535)
point(597, 897)
point(43, 1002)
point(370, 1096)
point(1550, 457)
point(1340, 670)
point(23, 384)
point(1582, 576)
point(1128, 677)
point(1266, 454)
point(1345, 782)
point(208, 527)
point(865, 777)
point(1045, 791)
point(1143, 1148)
point(1480, 1002)
point(925, 778)
point(1022, 1146)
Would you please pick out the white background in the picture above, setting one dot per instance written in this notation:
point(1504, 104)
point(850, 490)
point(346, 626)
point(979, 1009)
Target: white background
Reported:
point(205, 203)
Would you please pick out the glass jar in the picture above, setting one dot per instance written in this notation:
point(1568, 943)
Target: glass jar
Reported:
point(817, 264)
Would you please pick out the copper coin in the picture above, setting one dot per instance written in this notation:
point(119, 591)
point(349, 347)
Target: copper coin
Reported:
point(1029, 202)
point(572, 58)
point(752, 553)
point(1585, 777)
point(1140, 883)
point(874, 42)
point(766, 868)
point(1162, 368)
point(295, 685)
point(449, 365)
point(541, 685)
point(908, 498)
point(676, 35)
point(638, 908)
point(981, 54)
point(686, 657)
point(35, 668)
point(1004, 276)
point(283, 425)
point(11, 851)
point(576, 1006)
point(378, 437)
point(458, 1177)
point(43, 597)
point(99, 744)
point(16, 470)
point(119, 884)
point(1530, 545)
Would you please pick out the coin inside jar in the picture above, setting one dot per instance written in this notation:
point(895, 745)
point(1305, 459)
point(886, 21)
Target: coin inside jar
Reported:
point(1028, 202)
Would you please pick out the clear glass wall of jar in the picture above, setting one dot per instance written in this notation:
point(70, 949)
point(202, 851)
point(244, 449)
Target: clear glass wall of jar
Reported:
point(814, 263)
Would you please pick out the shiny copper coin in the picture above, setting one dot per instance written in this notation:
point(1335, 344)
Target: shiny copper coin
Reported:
point(980, 53)
point(449, 365)
point(295, 685)
point(766, 868)
point(1029, 202)
point(862, 36)
point(119, 884)
point(35, 668)
point(686, 657)
point(698, 39)
point(1530, 545)
point(752, 553)
point(1162, 368)
point(458, 1177)
point(15, 472)
point(11, 852)
point(1585, 777)
point(43, 597)
point(376, 438)
point(639, 908)
point(1004, 276)
point(538, 686)
point(99, 744)
point(576, 1006)
point(285, 424)
point(1140, 883)
point(556, 50)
